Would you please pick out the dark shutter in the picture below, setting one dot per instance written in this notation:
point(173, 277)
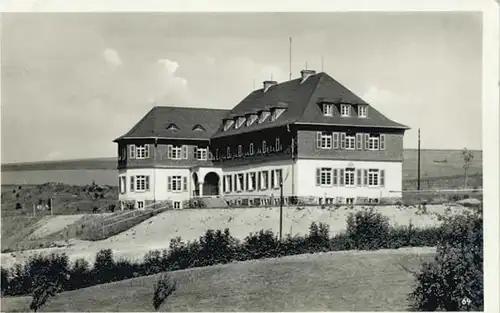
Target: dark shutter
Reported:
point(318, 177)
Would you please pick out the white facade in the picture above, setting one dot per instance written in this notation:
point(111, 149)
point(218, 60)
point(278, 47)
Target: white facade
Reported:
point(163, 185)
point(390, 186)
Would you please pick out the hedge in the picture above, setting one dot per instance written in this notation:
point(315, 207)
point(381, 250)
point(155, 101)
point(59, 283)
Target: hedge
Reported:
point(366, 230)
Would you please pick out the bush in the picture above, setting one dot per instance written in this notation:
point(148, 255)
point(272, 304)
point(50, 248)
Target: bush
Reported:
point(163, 289)
point(103, 267)
point(258, 246)
point(4, 273)
point(367, 230)
point(453, 281)
point(318, 239)
point(216, 247)
point(155, 261)
point(80, 275)
point(41, 293)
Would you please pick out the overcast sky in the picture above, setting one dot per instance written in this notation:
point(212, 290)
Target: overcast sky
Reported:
point(71, 83)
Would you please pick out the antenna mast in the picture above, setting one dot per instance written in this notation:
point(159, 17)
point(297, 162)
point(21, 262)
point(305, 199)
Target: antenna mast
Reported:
point(290, 65)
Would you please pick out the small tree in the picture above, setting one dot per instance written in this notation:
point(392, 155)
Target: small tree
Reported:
point(163, 289)
point(468, 156)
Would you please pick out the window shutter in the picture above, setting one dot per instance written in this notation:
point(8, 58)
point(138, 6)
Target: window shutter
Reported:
point(146, 151)
point(224, 183)
point(147, 182)
point(335, 140)
point(382, 178)
point(382, 141)
point(184, 152)
point(258, 180)
point(318, 177)
point(184, 183)
point(169, 183)
point(342, 141)
point(367, 141)
point(335, 177)
point(196, 152)
point(318, 139)
point(358, 178)
point(359, 141)
point(169, 151)
point(273, 185)
point(132, 151)
point(132, 183)
point(120, 187)
point(341, 177)
point(246, 181)
point(365, 177)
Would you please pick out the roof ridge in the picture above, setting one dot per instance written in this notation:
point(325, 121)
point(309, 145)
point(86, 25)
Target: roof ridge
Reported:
point(320, 74)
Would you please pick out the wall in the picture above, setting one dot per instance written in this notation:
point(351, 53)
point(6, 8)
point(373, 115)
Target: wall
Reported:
point(305, 170)
point(306, 148)
point(158, 185)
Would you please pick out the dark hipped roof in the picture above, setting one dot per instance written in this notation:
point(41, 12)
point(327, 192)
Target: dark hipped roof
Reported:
point(301, 100)
point(156, 122)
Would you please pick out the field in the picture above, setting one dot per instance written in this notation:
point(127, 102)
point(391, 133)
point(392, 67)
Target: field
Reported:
point(435, 165)
point(335, 281)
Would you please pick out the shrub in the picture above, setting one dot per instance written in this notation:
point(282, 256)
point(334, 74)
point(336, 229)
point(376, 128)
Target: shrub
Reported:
point(258, 246)
point(216, 247)
point(80, 275)
point(4, 273)
point(318, 239)
point(42, 292)
point(52, 269)
point(453, 281)
point(367, 230)
point(155, 261)
point(103, 266)
point(163, 289)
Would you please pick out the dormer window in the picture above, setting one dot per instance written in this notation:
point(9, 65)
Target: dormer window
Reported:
point(172, 127)
point(228, 124)
point(251, 119)
point(198, 128)
point(363, 111)
point(276, 113)
point(263, 116)
point(238, 122)
point(345, 110)
point(327, 109)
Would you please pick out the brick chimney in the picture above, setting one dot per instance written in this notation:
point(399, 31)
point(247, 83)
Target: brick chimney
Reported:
point(306, 73)
point(268, 84)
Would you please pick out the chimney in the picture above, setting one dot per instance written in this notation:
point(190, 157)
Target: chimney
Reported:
point(306, 73)
point(268, 84)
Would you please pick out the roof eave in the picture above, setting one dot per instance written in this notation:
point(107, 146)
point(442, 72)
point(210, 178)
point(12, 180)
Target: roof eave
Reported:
point(158, 137)
point(353, 125)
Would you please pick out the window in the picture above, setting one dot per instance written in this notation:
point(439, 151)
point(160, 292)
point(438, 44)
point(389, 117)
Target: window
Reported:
point(350, 141)
point(252, 181)
point(141, 183)
point(276, 113)
point(176, 152)
point(228, 152)
point(139, 204)
point(276, 178)
point(228, 124)
point(349, 177)
point(264, 179)
point(240, 150)
point(326, 176)
point(345, 110)
point(177, 204)
point(373, 142)
point(263, 116)
point(122, 184)
point(217, 153)
point(239, 121)
point(198, 127)
point(240, 183)
point(175, 183)
point(172, 127)
point(278, 144)
point(327, 109)
point(324, 140)
point(142, 151)
point(201, 153)
point(362, 110)
point(250, 148)
point(251, 119)
point(373, 176)
point(264, 147)
point(228, 183)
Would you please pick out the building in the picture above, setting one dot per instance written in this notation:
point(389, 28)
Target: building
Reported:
point(326, 143)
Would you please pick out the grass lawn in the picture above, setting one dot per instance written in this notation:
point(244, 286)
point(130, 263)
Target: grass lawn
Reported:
point(335, 281)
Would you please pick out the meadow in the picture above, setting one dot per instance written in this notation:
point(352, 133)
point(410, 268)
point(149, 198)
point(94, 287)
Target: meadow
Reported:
point(335, 281)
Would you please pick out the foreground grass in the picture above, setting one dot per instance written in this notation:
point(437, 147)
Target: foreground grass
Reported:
point(335, 281)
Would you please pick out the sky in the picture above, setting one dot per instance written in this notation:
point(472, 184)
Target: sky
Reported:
point(73, 82)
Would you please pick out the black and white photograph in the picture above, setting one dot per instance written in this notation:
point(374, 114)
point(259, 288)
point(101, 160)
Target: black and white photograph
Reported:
point(236, 160)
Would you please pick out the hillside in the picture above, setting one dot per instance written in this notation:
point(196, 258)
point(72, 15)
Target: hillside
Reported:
point(434, 164)
point(156, 232)
point(335, 281)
